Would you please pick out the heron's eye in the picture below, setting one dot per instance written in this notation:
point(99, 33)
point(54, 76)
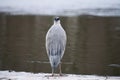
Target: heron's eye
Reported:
point(57, 18)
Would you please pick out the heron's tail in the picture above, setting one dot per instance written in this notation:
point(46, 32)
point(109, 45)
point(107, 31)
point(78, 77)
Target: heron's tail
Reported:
point(54, 61)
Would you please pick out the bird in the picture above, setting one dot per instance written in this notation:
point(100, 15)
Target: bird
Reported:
point(55, 44)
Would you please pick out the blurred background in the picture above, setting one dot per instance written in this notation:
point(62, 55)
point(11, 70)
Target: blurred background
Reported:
point(93, 35)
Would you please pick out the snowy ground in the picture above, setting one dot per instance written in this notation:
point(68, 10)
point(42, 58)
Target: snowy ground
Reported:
point(61, 7)
point(6, 75)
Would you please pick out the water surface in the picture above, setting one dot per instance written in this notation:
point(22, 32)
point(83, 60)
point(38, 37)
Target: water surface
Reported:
point(93, 44)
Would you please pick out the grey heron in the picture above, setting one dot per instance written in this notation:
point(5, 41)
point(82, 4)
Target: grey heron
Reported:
point(55, 44)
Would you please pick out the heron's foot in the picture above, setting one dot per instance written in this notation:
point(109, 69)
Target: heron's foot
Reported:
point(61, 74)
point(52, 75)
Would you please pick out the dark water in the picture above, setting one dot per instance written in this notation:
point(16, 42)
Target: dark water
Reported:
point(93, 45)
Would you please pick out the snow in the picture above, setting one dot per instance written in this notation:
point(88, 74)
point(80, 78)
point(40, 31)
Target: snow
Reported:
point(6, 75)
point(61, 7)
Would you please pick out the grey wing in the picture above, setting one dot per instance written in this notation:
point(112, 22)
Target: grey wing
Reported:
point(55, 46)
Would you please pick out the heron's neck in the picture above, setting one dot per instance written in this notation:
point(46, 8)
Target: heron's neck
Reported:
point(57, 23)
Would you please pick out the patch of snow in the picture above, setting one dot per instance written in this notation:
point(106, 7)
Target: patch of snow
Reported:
point(115, 65)
point(6, 75)
point(61, 7)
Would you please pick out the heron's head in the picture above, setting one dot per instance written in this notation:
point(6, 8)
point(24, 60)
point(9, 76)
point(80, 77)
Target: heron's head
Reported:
point(56, 19)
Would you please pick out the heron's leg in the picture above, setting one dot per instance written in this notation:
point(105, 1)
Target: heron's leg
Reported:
point(60, 69)
point(52, 71)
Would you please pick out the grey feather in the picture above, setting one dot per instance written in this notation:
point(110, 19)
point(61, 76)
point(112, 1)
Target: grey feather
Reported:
point(55, 43)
